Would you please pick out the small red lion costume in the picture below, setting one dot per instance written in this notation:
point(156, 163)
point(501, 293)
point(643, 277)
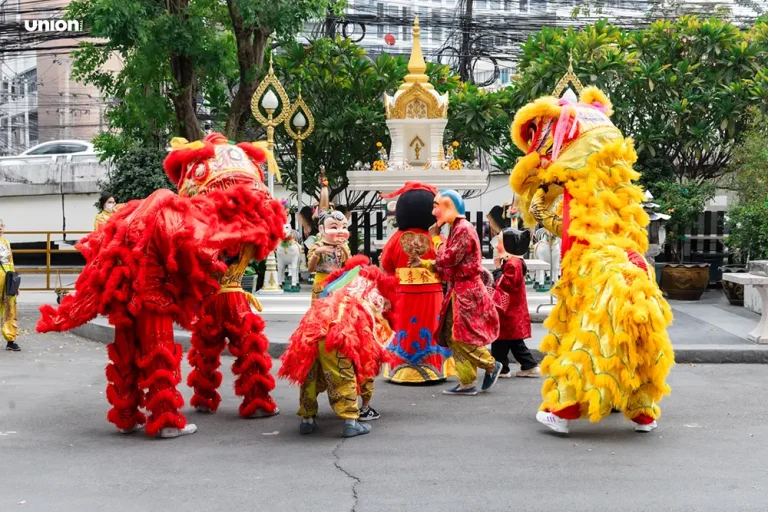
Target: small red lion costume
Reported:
point(161, 260)
point(355, 320)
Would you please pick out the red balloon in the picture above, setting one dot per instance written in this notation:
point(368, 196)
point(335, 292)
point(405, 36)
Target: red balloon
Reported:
point(389, 39)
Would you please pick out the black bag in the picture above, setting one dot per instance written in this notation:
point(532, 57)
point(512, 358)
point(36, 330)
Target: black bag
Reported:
point(12, 283)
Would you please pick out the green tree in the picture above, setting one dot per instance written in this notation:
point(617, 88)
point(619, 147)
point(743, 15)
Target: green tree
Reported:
point(343, 88)
point(136, 174)
point(178, 57)
point(748, 219)
point(679, 88)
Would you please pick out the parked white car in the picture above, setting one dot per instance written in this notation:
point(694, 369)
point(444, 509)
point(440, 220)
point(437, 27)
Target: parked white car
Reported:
point(53, 151)
point(59, 147)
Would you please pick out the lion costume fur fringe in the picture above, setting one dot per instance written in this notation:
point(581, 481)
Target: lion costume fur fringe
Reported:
point(607, 345)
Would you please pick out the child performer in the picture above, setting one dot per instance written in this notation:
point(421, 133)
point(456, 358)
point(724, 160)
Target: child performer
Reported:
point(331, 251)
point(512, 304)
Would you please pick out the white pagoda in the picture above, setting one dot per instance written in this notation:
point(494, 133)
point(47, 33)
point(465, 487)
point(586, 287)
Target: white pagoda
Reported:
point(416, 118)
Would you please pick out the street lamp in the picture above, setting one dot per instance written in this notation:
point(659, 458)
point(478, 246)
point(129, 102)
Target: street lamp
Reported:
point(266, 97)
point(298, 116)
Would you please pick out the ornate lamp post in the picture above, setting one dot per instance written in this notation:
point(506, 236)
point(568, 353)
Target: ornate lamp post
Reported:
point(300, 117)
point(266, 97)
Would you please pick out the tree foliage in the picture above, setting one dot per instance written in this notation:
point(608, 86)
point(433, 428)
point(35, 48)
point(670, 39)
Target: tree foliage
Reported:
point(136, 174)
point(181, 60)
point(679, 88)
point(343, 88)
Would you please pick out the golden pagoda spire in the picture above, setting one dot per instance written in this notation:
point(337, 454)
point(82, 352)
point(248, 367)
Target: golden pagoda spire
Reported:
point(416, 66)
point(568, 78)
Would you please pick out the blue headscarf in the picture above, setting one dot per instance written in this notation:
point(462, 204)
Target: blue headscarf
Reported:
point(456, 199)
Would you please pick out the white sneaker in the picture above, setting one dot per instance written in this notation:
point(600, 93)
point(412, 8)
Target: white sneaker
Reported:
point(507, 375)
point(261, 413)
point(534, 372)
point(555, 423)
point(170, 432)
point(131, 430)
point(203, 409)
point(646, 428)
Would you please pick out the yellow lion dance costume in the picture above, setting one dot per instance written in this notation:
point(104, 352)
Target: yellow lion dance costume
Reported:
point(607, 346)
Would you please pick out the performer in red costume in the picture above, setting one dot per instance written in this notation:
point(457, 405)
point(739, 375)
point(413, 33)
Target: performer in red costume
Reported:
point(419, 358)
point(227, 319)
point(157, 261)
point(468, 319)
point(339, 345)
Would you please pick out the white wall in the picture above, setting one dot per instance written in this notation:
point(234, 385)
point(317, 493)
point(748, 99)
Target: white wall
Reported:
point(46, 213)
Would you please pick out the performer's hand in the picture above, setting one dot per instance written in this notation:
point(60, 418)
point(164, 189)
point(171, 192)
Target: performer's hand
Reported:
point(414, 262)
point(497, 261)
point(434, 230)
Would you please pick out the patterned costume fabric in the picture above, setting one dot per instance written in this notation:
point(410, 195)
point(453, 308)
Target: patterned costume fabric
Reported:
point(340, 343)
point(161, 260)
point(459, 264)
point(227, 319)
point(8, 314)
point(515, 321)
point(608, 346)
point(419, 357)
point(327, 264)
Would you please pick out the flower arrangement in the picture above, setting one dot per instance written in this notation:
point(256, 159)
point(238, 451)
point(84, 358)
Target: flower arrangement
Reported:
point(381, 163)
point(454, 164)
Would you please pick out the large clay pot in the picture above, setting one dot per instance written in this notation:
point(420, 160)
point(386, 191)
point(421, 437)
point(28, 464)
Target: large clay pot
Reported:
point(685, 281)
point(734, 292)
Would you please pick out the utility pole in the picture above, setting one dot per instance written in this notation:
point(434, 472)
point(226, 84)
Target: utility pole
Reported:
point(330, 22)
point(465, 59)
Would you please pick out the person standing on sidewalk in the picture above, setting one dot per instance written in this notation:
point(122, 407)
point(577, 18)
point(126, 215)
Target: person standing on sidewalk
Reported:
point(8, 315)
point(512, 305)
point(468, 318)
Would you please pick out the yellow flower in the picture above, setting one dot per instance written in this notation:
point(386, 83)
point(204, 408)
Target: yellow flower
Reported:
point(379, 165)
point(455, 144)
point(379, 144)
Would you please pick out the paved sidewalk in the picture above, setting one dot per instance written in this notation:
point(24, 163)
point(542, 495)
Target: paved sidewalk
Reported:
point(705, 331)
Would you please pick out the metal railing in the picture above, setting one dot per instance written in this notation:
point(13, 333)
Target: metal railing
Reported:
point(48, 251)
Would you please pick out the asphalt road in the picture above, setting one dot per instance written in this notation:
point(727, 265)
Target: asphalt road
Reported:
point(427, 452)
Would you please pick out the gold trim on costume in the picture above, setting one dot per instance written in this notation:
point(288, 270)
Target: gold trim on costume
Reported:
point(416, 276)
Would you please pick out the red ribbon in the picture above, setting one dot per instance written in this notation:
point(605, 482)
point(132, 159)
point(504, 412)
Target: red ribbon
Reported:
point(566, 223)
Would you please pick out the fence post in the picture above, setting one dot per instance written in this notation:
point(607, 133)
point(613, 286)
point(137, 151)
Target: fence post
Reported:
point(353, 234)
point(379, 234)
point(367, 234)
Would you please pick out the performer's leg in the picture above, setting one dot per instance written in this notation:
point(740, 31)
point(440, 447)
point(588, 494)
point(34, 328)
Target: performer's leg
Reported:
point(528, 365)
point(641, 406)
point(500, 352)
point(465, 371)
point(367, 413)
point(245, 330)
point(208, 342)
point(8, 316)
point(123, 392)
point(312, 386)
point(159, 361)
point(340, 378)
point(560, 406)
point(366, 392)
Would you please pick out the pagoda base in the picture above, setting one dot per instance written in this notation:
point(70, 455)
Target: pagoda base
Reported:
point(391, 180)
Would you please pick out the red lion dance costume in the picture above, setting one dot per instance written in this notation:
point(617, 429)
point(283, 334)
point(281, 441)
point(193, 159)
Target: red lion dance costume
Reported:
point(339, 346)
point(179, 258)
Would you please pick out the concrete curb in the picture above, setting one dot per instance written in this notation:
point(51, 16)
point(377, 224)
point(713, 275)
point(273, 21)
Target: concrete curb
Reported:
point(101, 332)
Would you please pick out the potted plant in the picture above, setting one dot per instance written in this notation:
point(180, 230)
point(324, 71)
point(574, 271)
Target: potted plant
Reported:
point(747, 239)
point(747, 220)
point(683, 202)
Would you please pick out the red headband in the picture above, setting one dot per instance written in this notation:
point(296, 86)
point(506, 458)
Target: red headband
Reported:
point(410, 185)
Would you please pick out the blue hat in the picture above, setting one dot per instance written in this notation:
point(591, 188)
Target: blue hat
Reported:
point(458, 201)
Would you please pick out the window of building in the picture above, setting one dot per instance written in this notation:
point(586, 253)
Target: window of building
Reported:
point(437, 30)
point(34, 129)
point(524, 6)
point(380, 15)
point(30, 79)
point(406, 28)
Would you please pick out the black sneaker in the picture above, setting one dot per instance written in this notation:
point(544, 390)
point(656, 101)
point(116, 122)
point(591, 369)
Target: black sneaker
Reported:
point(368, 414)
point(12, 345)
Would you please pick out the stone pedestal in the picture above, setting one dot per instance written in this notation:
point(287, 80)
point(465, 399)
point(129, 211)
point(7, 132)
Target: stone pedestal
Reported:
point(760, 285)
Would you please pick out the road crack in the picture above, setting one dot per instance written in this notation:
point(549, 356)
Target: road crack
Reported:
point(337, 463)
